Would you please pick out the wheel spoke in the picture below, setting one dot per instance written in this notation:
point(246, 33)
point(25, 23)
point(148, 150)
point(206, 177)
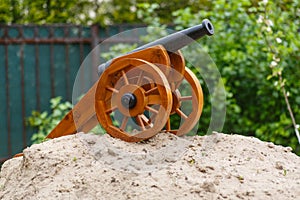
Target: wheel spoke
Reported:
point(151, 109)
point(124, 122)
point(125, 77)
point(140, 122)
point(111, 109)
point(180, 113)
point(112, 89)
point(140, 78)
point(178, 84)
point(151, 90)
point(146, 120)
point(186, 98)
point(168, 125)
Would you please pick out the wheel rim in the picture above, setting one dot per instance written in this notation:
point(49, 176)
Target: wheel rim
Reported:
point(188, 119)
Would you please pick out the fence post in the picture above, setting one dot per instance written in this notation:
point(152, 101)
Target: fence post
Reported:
point(95, 51)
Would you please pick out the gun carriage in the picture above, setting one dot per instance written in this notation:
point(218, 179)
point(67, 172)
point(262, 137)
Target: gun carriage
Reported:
point(141, 88)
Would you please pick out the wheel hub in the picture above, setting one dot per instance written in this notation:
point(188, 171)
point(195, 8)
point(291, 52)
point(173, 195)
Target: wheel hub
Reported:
point(128, 100)
point(176, 101)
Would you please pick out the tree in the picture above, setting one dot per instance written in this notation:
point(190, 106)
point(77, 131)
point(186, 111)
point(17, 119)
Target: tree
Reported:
point(86, 12)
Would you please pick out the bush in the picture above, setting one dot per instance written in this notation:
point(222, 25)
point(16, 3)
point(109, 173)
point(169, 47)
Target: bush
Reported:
point(256, 48)
point(44, 122)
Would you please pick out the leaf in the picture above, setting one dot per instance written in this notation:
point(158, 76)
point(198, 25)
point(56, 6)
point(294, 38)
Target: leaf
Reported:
point(269, 76)
point(55, 101)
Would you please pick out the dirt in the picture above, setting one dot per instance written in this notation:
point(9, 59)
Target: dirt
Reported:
point(87, 166)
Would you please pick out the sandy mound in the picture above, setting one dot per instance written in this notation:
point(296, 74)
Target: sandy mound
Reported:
point(86, 166)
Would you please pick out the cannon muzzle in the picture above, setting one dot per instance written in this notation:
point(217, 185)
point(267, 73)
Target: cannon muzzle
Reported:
point(175, 41)
point(180, 39)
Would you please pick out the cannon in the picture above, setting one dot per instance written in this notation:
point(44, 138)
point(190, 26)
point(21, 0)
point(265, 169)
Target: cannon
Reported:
point(137, 93)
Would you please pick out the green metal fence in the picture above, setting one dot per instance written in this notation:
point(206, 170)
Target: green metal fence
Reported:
point(36, 64)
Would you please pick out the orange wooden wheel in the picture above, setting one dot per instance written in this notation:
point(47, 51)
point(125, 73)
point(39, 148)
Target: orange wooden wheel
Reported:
point(187, 105)
point(133, 99)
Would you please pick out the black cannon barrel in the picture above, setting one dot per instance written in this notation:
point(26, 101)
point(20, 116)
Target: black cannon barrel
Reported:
point(175, 41)
point(178, 40)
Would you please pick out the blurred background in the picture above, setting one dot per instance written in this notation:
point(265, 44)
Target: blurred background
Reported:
point(255, 47)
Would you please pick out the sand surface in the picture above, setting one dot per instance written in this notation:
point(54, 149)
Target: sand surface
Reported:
point(87, 166)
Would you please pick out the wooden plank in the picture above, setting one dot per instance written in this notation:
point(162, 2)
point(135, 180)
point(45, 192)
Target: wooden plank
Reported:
point(45, 78)
point(74, 64)
point(3, 108)
point(15, 92)
point(59, 71)
point(30, 87)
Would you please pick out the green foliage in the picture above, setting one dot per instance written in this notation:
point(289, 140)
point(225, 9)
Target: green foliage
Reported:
point(46, 11)
point(117, 50)
point(44, 122)
point(148, 13)
point(6, 11)
point(87, 12)
point(253, 44)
